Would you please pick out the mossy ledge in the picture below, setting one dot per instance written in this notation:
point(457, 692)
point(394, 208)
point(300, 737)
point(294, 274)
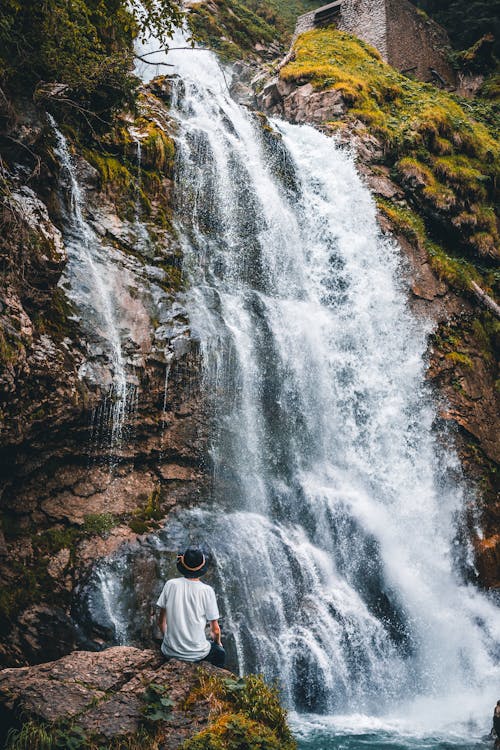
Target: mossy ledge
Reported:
point(438, 152)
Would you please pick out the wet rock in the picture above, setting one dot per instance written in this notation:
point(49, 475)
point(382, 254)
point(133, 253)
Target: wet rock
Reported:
point(122, 495)
point(59, 463)
point(93, 549)
point(35, 216)
point(44, 633)
point(488, 560)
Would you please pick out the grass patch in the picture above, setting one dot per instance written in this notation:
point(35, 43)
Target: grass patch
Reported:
point(247, 713)
point(447, 157)
point(35, 735)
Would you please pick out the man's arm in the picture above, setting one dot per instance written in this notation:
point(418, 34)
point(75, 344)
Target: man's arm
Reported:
point(162, 620)
point(215, 631)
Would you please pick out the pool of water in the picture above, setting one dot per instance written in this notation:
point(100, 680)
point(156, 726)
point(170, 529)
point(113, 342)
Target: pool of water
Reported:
point(341, 733)
point(386, 741)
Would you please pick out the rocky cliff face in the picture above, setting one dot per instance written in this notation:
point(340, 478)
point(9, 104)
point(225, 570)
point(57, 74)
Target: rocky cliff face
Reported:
point(72, 490)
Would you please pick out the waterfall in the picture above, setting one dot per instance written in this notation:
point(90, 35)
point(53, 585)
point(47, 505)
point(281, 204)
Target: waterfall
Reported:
point(333, 519)
point(89, 283)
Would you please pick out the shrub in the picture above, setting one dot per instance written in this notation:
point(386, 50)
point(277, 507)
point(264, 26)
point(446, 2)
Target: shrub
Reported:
point(248, 715)
point(85, 44)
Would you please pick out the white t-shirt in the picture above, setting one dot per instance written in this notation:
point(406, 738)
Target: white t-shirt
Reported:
point(189, 605)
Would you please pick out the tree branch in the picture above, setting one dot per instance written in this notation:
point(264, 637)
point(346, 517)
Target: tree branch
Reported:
point(487, 301)
point(148, 62)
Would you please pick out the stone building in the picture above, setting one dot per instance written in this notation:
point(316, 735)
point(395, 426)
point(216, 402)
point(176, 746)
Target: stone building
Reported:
point(406, 38)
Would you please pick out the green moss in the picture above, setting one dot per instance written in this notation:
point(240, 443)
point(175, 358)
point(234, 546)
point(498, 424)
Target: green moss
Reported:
point(98, 523)
point(248, 714)
point(53, 540)
point(10, 347)
point(158, 148)
point(457, 272)
point(55, 320)
point(460, 359)
point(404, 221)
point(443, 154)
point(462, 174)
point(147, 517)
point(111, 169)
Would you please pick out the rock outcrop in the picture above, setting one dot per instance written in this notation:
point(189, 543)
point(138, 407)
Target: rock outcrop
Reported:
point(71, 490)
point(127, 695)
point(105, 694)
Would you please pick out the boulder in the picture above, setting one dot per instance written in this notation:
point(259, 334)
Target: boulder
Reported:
point(104, 694)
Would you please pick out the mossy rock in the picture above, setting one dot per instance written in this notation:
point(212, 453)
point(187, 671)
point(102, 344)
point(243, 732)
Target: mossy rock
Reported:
point(235, 732)
point(454, 269)
point(445, 152)
point(247, 715)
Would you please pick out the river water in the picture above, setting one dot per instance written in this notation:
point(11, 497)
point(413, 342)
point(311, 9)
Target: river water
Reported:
point(336, 507)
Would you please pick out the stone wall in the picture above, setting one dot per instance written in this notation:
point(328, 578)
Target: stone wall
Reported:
point(366, 19)
point(406, 39)
point(414, 41)
point(304, 23)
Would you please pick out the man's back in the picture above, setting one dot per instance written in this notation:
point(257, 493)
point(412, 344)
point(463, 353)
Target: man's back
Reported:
point(189, 604)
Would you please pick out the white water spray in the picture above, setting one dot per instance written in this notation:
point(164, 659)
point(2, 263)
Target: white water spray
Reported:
point(89, 273)
point(334, 513)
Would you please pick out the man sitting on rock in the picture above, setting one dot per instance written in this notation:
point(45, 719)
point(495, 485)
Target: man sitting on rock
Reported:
point(186, 605)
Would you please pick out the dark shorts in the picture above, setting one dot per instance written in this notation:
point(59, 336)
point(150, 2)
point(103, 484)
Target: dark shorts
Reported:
point(216, 655)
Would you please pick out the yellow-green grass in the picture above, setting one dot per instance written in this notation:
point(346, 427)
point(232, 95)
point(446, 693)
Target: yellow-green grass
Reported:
point(451, 160)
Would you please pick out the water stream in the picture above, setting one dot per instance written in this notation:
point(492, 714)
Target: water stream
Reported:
point(334, 515)
point(89, 281)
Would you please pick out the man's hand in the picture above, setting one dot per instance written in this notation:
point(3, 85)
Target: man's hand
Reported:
point(215, 631)
point(162, 620)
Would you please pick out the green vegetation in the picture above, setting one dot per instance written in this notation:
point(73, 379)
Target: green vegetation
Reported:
point(233, 27)
point(448, 160)
point(98, 523)
point(87, 45)
point(232, 30)
point(33, 582)
point(453, 269)
point(157, 704)
point(460, 359)
point(147, 517)
point(466, 20)
point(247, 714)
point(36, 735)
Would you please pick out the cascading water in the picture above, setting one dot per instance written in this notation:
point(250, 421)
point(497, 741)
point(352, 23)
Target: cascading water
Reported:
point(89, 284)
point(334, 511)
